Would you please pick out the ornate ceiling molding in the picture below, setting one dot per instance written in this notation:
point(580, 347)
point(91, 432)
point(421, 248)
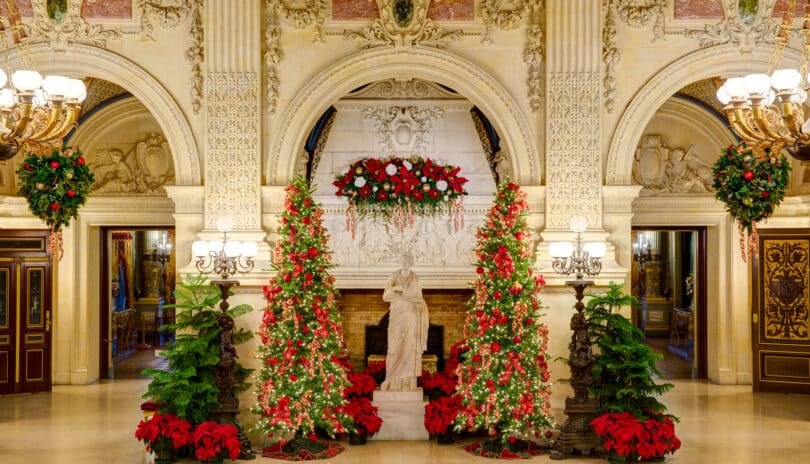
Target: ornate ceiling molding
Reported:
point(403, 88)
point(634, 13)
point(762, 28)
point(403, 23)
point(169, 15)
point(299, 14)
point(73, 28)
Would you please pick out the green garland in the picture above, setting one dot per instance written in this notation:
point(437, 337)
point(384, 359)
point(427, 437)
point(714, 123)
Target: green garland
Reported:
point(751, 181)
point(55, 186)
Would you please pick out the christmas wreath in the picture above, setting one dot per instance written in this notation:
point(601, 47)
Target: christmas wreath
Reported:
point(751, 181)
point(398, 188)
point(55, 186)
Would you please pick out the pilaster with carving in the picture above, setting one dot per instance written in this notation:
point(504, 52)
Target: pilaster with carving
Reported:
point(745, 33)
point(233, 129)
point(73, 28)
point(170, 14)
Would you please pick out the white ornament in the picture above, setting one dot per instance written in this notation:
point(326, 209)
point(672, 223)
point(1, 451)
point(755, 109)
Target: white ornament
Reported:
point(441, 185)
point(360, 182)
point(407, 165)
point(423, 179)
point(375, 188)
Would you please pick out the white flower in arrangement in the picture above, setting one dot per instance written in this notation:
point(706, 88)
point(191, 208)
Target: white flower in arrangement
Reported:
point(423, 179)
point(407, 165)
point(391, 169)
point(441, 185)
point(375, 188)
point(360, 182)
point(446, 198)
point(344, 171)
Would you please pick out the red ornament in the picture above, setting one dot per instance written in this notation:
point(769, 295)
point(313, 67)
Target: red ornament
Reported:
point(519, 235)
point(496, 347)
point(748, 175)
point(55, 206)
point(312, 252)
point(308, 276)
point(528, 321)
point(511, 440)
point(476, 358)
point(313, 437)
point(765, 194)
point(497, 295)
point(306, 221)
point(54, 164)
point(287, 277)
point(80, 161)
point(293, 377)
point(72, 194)
point(479, 270)
point(516, 339)
point(479, 313)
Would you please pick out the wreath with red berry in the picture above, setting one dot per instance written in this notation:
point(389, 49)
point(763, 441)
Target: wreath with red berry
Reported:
point(751, 181)
point(55, 186)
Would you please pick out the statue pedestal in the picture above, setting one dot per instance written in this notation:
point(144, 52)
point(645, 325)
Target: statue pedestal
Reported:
point(402, 413)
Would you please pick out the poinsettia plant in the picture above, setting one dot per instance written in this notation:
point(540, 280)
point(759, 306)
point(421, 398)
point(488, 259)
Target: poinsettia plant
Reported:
point(398, 188)
point(439, 383)
point(626, 435)
point(441, 413)
point(751, 181)
point(366, 420)
point(164, 432)
point(214, 441)
point(55, 185)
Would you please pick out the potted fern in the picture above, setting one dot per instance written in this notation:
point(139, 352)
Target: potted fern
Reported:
point(187, 388)
point(623, 373)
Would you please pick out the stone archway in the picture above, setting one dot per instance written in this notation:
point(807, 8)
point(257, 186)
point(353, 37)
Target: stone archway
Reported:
point(86, 60)
point(725, 61)
point(439, 66)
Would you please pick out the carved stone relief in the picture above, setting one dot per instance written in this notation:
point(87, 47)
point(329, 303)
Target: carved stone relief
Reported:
point(533, 54)
point(573, 173)
point(403, 23)
point(745, 33)
point(403, 131)
point(669, 170)
point(300, 14)
point(233, 148)
point(71, 27)
point(635, 13)
point(169, 14)
point(403, 88)
point(143, 170)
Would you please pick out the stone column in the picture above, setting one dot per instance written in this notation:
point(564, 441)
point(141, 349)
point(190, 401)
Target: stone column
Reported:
point(573, 128)
point(232, 108)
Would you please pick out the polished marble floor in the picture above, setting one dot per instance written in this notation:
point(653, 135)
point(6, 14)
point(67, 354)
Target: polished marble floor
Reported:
point(95, 425)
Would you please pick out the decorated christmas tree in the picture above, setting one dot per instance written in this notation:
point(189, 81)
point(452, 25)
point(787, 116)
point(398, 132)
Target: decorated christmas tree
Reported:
point(504, 380)
point(301, 381)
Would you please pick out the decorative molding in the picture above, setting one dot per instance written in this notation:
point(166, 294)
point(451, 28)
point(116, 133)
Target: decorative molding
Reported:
point(300, 14)
point(505, 15)
point(169, 14)
point(414, 29)
point(573, 179)
point(233, 128)
point(188, 199)
point(399, 88)
point(733, 29)
point(144, 170)
point(533, 53)
point(404, 130)
point(73, 28)
point(636, 14)
point(662, 169)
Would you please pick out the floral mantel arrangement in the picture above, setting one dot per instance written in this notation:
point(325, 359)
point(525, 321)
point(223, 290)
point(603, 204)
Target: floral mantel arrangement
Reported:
point(397, 189)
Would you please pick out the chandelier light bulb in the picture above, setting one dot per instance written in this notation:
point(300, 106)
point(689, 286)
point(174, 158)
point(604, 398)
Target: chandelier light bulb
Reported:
point(26, 81)
point(596, 249)
point(560, 249)
point(57, 87)
point(736, 87)
point(723, 96)
point(6, 99)
point(579, 224)
point(799, 96)
point(250, 249)
point(215, 246)
point(39, 97)
point(757, 84)
point(233, 249)
point(77, 91)
point(3, 78)
point(199, 248)
point(785, 79)
point(771, 98)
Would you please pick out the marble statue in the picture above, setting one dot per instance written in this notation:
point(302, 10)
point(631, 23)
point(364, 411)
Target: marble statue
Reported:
point(407, 328)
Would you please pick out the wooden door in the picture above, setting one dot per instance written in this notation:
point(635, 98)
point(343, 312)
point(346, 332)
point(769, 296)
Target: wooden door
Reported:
point(25, 312)
point(781, 340)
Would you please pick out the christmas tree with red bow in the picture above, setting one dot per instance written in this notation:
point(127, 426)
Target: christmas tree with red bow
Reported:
point(504, 379)
point(302, 379)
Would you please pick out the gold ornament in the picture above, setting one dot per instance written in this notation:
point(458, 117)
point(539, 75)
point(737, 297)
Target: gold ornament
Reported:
point(40, 186)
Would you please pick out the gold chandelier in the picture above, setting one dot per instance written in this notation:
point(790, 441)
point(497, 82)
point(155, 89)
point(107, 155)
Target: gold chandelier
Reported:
point(36, 113)
point(766, 110)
